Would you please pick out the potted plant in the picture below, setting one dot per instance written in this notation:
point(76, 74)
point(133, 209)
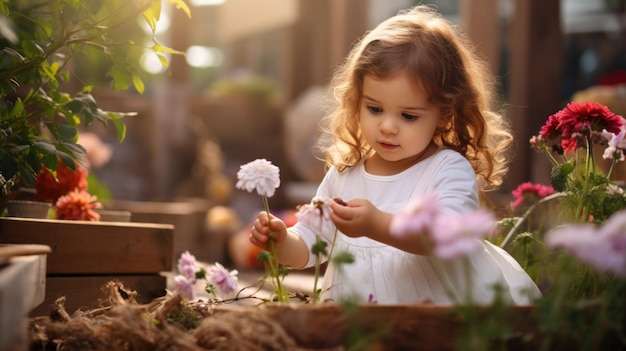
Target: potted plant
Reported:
point(45, 96)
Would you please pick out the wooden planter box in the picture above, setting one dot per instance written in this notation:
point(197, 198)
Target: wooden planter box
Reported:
point(85, 255)
point(22, 288)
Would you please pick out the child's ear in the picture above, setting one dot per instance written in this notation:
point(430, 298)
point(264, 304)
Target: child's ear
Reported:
point(443, 121)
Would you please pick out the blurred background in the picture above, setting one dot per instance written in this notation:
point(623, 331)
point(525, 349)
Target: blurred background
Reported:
point(253, 81)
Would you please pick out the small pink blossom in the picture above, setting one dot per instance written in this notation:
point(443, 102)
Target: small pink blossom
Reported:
point(530, 191)
point(187, 266)
point(184, 287)
point(418, 216)
point(459, 234)
point(315, 213)
point(225, 282)
point(603, 248)
point(261, 175)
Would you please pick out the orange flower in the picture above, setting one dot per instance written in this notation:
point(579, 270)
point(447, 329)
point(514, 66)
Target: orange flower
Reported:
point(77, 205)
point(50, 188)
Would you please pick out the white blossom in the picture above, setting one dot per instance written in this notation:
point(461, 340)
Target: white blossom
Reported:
point(261, 175)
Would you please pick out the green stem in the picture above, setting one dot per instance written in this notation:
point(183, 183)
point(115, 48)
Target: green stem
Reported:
point(581, 210)
point(316, 294)
point(273, 261)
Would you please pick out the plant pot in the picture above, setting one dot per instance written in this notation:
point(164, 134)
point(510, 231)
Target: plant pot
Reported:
point(28, 209)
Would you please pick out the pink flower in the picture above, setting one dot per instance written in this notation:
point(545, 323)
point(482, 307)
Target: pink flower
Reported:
point(259, 174)
point(530, 191)
point(417, 217)
point(603, 248)
point(184, 287)
point(579, 120)
point(97, 153)
point(225, 282)
point(187, 266)
point(315, 213)
point(459, 234)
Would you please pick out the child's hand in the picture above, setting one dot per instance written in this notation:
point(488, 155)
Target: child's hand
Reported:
point(355, 218)
point(259, 234)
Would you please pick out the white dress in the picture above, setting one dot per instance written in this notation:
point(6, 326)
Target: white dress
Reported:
point(388, 275)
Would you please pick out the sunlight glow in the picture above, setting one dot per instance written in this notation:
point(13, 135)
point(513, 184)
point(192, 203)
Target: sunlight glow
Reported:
point(204, 57)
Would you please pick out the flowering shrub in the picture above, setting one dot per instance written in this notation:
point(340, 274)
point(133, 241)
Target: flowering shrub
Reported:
point(579, 261)
point(568, 139)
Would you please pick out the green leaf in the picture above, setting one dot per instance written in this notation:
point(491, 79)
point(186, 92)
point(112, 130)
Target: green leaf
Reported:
point(66, 132)
point(120, 129)
point(138, 83)
point(67, 159)
point(44, 147)
point(165, 49)
point(152, 15)
point(74, 106)
point(163, 60)
point(13, 53)
point(121, 78)
point(18, 108)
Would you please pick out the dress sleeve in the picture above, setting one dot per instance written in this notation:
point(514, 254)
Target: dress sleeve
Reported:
point(454, 183)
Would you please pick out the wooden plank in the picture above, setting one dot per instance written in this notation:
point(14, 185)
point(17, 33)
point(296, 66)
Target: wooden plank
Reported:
point(95, 247)
point(22, 287)
point(84, 292)
point(535, 77)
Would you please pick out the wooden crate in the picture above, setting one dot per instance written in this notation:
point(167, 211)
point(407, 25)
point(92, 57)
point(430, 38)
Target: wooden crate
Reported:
point(86, 255)
point(22, 288)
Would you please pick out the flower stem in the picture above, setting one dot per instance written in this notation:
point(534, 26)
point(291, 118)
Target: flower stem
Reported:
point(273, 261)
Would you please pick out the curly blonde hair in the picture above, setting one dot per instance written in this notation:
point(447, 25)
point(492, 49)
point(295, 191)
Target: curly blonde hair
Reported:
point(440, 60)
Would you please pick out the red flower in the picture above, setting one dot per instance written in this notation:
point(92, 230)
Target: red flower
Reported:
point(530, 191)
point(578, 120)
point(77, 205)
point(50, 188)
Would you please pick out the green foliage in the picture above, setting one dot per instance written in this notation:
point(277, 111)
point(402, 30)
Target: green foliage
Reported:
point(44, 44)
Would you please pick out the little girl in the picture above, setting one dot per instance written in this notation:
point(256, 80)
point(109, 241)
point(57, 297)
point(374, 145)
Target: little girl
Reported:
point(413, 116)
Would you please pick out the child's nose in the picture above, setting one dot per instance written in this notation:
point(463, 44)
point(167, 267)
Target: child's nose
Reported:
point(388, 125)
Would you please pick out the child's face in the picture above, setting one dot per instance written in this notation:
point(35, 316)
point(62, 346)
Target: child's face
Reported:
point(398, 122)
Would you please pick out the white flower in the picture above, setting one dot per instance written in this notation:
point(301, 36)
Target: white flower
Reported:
point(259, 174)
point(225, 282)
point(615, 145)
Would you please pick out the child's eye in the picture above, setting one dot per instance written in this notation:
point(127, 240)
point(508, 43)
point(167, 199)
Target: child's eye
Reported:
point(374, 109)
point(409, 116)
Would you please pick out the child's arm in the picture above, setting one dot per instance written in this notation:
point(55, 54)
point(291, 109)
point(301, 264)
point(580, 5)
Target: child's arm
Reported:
point(359, 217)
point(290, 248)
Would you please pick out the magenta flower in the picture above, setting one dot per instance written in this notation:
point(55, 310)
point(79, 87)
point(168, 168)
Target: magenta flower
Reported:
point(184, 287)
point(417, 217)
point(224, 282)
point(459, 234)
point(530, 191)
point(187, 266)
point(261, 175)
